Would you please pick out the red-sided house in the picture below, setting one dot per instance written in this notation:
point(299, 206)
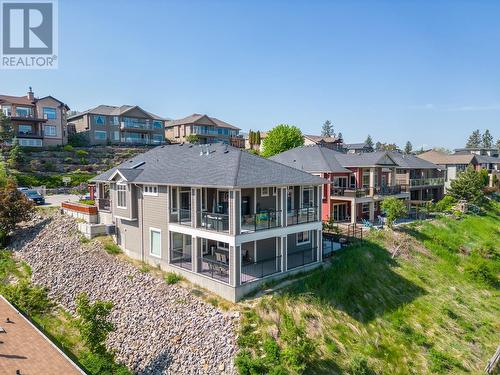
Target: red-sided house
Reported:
point(358, 182)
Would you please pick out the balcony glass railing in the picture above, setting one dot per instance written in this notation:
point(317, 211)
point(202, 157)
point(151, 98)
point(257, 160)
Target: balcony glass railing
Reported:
point(302, 215)
point(389, 190)
point(136, 124)
point(427, 181)
point(350, 192)
point(215, 222)
point(180, 216)
point(265, 219)
point(251, 271)
point(300, 258)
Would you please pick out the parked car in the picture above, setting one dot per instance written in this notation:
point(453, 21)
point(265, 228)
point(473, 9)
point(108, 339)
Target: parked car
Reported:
point(35, 197)
point(23, 189)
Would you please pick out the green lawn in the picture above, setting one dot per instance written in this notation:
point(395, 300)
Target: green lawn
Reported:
point(434, 308)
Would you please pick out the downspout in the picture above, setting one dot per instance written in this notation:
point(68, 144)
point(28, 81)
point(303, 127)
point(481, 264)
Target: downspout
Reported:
point(142, 222)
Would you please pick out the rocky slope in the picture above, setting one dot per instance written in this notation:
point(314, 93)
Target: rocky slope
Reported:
point(160, 328)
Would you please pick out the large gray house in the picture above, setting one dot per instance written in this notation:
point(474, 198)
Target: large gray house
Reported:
point(221, 217)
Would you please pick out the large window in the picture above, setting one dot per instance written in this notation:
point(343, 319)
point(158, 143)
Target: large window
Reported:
point(100, 135)
point(49, 113)
point(303, 238)
point(116, 135)
point(23, 111)
point(25, 129)
point(155, 242)
point(99, 120)
point(307, 196)
point(30, 142)
point(114, 120)
point(157, 138)
point(121, 195)
point(158, 124)
point(50, 130)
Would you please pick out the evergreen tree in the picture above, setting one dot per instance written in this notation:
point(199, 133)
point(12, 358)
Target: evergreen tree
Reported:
point(369, 142)
point(327, 130)
point(474, 140)
point(468, 185)
point(378, 146)
point(257, 137)
point(487, 139)
point(6, 132)
point(408, 148)
point(340, 136)
point(16, 156)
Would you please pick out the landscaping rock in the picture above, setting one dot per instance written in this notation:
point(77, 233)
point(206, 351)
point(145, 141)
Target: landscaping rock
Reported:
point(160, 328)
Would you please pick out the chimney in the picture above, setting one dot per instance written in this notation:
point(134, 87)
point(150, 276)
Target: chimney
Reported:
point(31, 96)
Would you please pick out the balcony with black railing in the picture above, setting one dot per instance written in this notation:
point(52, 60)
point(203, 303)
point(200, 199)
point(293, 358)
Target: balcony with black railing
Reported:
point(351, 192)
point(264, 219)
point(302, 215)
point(251, 271)
point(215, 221)
point(180, 216)
point(301, 258)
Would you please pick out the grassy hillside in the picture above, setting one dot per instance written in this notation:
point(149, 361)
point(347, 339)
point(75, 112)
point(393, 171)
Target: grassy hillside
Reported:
point(434, 308)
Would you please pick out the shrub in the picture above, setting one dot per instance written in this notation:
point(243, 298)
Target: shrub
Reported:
point(88, 202)
point(68, 148)
point(68, 160)
point(445, 204)
point(49, 166)
point(93, 322)
point(33, 300)
point(83, 161)
point(394, 209)
point(172, 278)
point(16, 156)
point(112, 248)
point(359, 366)
point(35, 165)
point(81, 153)
point(14, 208)
point(97, 364)
point(78, 140)
point(481, 271)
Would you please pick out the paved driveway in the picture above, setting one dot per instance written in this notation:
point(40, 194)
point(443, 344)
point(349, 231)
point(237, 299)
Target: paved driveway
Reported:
point(56, 199)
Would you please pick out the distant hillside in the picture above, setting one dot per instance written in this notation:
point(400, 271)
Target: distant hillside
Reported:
point(48, 167)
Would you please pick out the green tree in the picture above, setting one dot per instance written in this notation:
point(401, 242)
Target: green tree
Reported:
point(474, 139)
point(408, 148)
point(340, 136)
point(4, 177)
point(487, 139)
point(14, 208)
point(394, 209)
point(281, 138)
point(485, 177)
point(378, 146)
point(192, 138)
point(6, 131)
point(327, 130)
point(468, 186)
point(93, 322)
point(16, 155)
point(257, 138)
point(369, 142)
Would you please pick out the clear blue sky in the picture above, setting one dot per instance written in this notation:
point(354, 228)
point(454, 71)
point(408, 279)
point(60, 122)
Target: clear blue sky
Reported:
point(428, 72)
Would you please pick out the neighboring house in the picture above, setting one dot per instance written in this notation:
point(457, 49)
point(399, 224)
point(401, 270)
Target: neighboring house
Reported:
point(484, 151)
point(452, 164)
point(356, 148)
point(424, 179)
point(36, 122)
point(208, 129)
point(333, 143)
point(223, 218)
point(126, 124)
point(256, 147)
point(357, 182)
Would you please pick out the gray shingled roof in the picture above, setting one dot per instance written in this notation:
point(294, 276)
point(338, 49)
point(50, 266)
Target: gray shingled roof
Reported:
point(411, 161)
point(111, 110)
point(355, 146)
point(366, 159)
point(485, 159)
point(196, 116)
point(224, 166)
point(311, 159)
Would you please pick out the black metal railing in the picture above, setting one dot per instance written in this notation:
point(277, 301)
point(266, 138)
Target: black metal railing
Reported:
point(302, 215)
point(214, 269)
point(264, 219)
point(301, 258)
point(181, 259)
point(215, 222)
point(259, 269)
point(181, 216)
point(390, 190)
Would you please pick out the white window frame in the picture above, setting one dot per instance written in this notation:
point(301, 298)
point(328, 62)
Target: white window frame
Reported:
point(118, 190)
point(266, 189)
point(297, 242)
point(151, 190)
point(151, 230)
point(45, 133)
point(101, 131)
point(275, 191)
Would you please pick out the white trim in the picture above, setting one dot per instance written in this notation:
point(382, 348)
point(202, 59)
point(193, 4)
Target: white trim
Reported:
point(114, 174)
point(151, 230)
point(262, 194)
point(125, 218)
point(153, 192)
point(297, 243)
point(117, 200)
point(302, 188)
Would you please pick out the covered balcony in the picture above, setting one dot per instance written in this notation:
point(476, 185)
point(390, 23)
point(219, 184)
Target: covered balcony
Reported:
point(260, 259)
point(260, 209)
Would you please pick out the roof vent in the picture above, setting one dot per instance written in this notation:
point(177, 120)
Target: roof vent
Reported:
point(139, 164)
